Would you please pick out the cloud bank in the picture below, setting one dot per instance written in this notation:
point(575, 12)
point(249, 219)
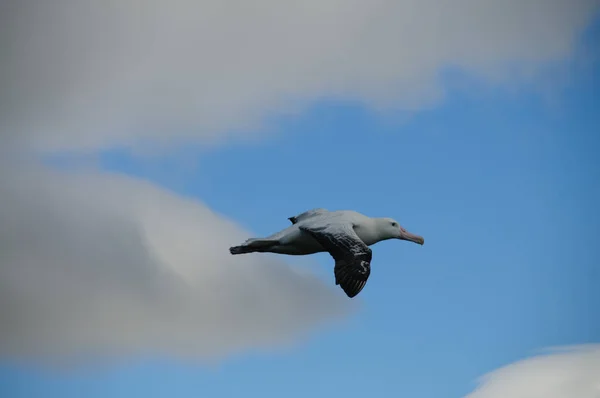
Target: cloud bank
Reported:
point(95, 74)
point(105, 265)
point(572, 373)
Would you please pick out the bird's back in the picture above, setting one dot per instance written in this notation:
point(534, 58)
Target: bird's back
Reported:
point(349, 216)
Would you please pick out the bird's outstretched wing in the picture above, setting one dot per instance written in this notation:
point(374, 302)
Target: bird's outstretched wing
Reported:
point(306, 214)
point(352, 256)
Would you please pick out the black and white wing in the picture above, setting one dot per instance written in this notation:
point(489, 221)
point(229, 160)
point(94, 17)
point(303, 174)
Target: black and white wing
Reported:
point(307, 214)
point(352, 256)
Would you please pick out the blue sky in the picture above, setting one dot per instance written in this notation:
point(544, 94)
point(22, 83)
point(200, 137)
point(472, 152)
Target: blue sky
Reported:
point(503, 185)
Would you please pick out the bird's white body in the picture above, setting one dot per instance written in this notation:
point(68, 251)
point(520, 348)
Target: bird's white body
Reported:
point(295, 241)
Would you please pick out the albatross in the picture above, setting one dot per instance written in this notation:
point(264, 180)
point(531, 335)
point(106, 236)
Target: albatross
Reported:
point(345, 234)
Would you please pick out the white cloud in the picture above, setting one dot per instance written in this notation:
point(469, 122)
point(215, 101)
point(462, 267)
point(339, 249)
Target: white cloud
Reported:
point(571, 373)
point(88, 74)
point(108, 265)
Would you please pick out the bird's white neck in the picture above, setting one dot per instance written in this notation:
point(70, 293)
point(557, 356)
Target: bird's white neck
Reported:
point(370, 232)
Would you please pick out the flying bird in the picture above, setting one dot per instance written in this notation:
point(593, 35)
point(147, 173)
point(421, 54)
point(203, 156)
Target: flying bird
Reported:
point(345, 234)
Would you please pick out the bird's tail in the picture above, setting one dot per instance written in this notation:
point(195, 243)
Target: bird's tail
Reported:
point(253, 245)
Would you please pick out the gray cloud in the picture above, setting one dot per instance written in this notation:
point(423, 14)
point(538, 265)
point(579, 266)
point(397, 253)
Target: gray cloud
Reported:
point(568, 373)
point(98, 264)
point(85, 74)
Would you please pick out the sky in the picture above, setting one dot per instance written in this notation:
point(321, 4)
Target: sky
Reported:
point(139, 142)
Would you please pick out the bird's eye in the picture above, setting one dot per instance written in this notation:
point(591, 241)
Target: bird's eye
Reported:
point(394, 224)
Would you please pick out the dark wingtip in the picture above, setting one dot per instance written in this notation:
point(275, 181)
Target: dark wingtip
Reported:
point(352, 291)
point(236, 250)
point(293, 220)
point(352, 283)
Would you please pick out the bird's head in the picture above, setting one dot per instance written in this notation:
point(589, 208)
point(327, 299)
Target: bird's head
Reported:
point(391, 229)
